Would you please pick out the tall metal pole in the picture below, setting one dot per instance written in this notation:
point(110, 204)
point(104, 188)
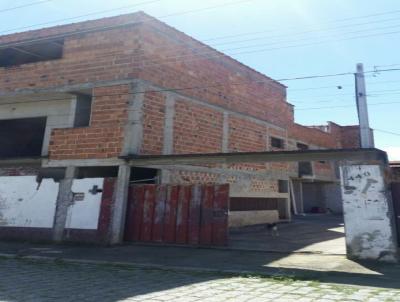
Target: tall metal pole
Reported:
point(366, 139)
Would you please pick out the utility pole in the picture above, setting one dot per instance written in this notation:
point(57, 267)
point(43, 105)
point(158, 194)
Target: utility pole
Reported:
point(366, 139)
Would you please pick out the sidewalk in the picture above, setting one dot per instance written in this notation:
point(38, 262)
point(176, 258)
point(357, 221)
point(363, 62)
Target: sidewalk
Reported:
point(325, 268)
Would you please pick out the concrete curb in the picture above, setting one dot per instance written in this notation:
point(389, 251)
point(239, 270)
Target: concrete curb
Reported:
point(155, 266)
point(277, 273)
point(239, 249)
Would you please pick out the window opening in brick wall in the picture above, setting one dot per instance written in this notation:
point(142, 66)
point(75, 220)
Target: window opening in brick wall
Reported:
point(283, 186)
point(277, 143)
point(31, 53)
point(301, 146)
point(83, 110)
point(22, 137)
point(305, 167)
point(93, 172)
point(141, 175)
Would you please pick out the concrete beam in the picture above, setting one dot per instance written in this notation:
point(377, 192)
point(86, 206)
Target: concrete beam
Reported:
point(263, 175)
point(12, 162)
point(59, 91)
point(106, 162)
point(360, 155)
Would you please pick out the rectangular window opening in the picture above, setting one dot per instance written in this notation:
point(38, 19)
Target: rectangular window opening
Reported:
point(305, 167)
point(31, 53)
point(93, 172)
point(301, 146)
point(277, 143)
point(141, 175)
point(283, 186)
point(83, 110)
point(22, 137)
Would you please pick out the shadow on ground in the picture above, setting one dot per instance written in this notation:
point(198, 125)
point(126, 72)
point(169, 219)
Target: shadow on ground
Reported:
point(28, 280)
point(316, 233)
point(325, 268)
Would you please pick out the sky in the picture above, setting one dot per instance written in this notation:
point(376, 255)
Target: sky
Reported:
point(280, 38)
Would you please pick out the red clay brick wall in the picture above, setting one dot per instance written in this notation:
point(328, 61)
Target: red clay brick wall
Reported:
point(19, 171)
point(314, 136)
point(197, 129)
point(104, 137)
point(153, 123)
point(170, 60)
point(100, 56)
point(350, 137)
point(149, 51)
point(246, 135)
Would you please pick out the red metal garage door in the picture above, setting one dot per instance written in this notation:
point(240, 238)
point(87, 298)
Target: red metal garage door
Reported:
point(396, 203)
point(196, 214)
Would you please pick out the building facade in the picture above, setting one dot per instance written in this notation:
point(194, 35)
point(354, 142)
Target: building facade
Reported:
point(75, 99)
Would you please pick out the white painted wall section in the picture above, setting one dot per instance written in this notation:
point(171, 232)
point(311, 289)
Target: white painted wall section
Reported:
point(85, 210)
point(23, 203)
point(369, 224)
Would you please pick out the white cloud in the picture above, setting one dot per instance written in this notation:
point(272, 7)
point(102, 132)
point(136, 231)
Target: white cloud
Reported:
point(393, 153)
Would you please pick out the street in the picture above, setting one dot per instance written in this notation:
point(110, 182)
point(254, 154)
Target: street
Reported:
point(28, 280)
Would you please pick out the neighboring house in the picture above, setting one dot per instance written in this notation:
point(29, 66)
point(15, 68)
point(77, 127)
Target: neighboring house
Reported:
point(395, 168)
point(79, 97)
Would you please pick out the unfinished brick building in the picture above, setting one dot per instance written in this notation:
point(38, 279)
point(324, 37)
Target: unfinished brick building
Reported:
point(76, 99)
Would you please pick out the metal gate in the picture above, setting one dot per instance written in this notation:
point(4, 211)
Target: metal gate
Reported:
point(191, 214)
point(396, 205)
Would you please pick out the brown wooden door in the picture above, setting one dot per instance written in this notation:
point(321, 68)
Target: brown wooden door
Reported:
point(184, 214)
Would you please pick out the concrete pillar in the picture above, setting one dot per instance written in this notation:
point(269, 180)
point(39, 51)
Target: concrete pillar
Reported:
point(120, 205)
point(225, 133)
point(168, 135)
point(133, 137)
point(64, 200)
point(54, 120)
point(368, 214)
point(168, 143)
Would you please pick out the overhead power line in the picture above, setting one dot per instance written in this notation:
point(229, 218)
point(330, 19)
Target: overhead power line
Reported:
point(78, 17)
point(121, 8)
point(23, 6)
point(388, 132)
point(345, 106)
point(205, 50)
point(374, 93)
point(296, 27)
point(216, 54)
point(346, 85)
point(321, 30)
point(205, 87)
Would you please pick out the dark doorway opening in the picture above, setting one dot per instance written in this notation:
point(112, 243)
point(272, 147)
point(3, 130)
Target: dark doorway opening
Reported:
point(94, 172)
point(141, 175)
point(22, 137)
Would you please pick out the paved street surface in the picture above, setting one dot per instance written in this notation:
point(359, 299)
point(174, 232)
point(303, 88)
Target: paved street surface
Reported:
point(312, 233)
point(27, 280)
